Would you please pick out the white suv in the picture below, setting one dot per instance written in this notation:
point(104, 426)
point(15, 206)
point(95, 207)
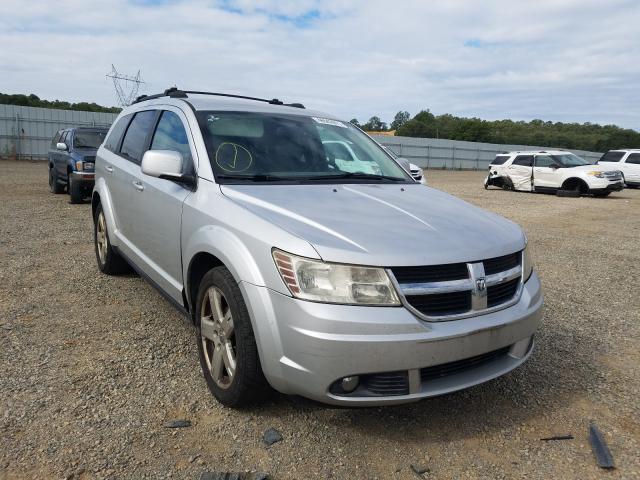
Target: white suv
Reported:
point(627, 161)
point(552, 171)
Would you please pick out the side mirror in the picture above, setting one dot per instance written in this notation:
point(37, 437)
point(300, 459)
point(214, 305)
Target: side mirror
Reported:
point(165, 164)
point(61, 146)
point(554, 166)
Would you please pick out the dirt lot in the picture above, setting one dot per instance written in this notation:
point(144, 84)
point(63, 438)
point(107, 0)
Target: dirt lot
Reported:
point(93, 366)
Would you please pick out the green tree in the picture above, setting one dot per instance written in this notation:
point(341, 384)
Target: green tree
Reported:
point(399, 120)
point(375, 125)
point(354, 121)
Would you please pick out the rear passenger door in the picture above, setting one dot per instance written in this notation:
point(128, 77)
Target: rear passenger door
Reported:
point(520, 172)
point(122, 170)
point(157, 206)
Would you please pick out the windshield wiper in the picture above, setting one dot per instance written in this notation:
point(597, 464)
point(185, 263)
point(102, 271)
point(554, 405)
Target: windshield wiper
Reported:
point(253, 178)
point(355, 176)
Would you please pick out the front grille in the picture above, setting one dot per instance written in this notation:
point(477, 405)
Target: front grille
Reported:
point(389, 383)
point(459, 366)
point(432, 273)
point(439, 304)
point(454, 289)
point(500, 264)
point(502, 293)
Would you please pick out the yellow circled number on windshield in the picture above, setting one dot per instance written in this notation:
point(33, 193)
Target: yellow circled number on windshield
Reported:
point(232, 157)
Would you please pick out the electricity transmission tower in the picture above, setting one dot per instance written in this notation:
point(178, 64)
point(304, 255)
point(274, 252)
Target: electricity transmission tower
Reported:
point(126, 86)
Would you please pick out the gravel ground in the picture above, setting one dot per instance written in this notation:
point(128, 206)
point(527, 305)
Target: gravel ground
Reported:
point(93, 366)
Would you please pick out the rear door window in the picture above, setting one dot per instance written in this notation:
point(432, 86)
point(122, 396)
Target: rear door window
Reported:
point(634, 159)
point(523, 160)
point(611, 157)
point(135, 141)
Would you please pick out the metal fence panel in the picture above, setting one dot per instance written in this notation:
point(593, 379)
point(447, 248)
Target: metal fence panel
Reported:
point(457, 154)
point(26, 132)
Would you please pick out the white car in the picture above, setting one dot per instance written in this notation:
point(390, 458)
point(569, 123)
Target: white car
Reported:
point(552, 171)
point(627, 161)
point(415, 171)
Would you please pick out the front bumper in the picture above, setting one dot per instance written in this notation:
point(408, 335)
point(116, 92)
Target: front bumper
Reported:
point(306, 347)
point(609, 187)
point(86, 180)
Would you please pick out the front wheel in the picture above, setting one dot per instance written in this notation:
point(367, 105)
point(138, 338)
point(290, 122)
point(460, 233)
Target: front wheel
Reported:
point(226, 344)
point(75, 191)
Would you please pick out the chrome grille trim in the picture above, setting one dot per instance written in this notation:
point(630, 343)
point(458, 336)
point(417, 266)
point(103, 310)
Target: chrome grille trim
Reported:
point(478, 292)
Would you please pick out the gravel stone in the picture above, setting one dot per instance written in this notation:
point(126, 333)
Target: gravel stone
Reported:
point(271, 436)
point(93, 365)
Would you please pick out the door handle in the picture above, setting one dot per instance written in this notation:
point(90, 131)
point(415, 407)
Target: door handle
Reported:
point(138, 186)
point(108, 168)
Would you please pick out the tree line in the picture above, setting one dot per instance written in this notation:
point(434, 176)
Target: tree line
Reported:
point(580, 136)
point(35, 101)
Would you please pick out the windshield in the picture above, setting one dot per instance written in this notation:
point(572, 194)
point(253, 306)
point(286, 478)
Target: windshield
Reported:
point(259, 147)
point(569, 160)
point(88, 139)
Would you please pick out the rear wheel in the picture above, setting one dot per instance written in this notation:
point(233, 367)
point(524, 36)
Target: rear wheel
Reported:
point(226, 344)
point(109, 261)
point(54, 185)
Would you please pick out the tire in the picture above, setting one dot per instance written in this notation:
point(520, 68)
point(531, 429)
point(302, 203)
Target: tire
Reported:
point(75, 192)
point(601, 194)
point(109, 261)
point(486, 183)
point(54, 185)
point(226, 345)
point(568, 193)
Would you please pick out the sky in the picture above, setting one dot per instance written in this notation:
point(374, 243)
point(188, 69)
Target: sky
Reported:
point(558, 60)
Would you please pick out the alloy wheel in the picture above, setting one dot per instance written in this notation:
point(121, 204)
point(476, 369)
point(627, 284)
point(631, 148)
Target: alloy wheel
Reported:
point(218, 337)
point(101, 238)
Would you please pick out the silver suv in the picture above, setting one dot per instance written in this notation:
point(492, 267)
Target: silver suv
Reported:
point(299, 271)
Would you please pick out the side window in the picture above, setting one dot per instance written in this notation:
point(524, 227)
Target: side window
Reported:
point(499, 160)
point(544, 161)
point(67, 138)
point(171, 135)
point(134, 143)
point(112, 142)
point(63, 137)
point(611, 157)
point(523, 160)
point(56, 139)
point(633, 159)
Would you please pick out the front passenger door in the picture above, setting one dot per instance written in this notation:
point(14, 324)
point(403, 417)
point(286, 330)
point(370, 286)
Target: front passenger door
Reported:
point(545, 172)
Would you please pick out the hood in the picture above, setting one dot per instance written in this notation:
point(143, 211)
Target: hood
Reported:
point(590, 168)
point(382, 225)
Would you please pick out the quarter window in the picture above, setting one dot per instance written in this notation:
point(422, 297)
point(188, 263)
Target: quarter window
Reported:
point(634, 159)
point(171, 135)
point(134, 143)
point(113, 140)
point(523, 160)
point(500, 159)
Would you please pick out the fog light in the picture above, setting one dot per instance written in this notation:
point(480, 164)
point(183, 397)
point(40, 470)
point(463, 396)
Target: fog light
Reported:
point(349, 384)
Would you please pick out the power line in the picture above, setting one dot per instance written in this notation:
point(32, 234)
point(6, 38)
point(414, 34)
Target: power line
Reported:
point(126, 86)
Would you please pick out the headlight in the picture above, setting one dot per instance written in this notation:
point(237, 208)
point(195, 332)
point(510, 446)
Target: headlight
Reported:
point(319, 281)
point(80, 165)
point(527, 263)
point(596, 174)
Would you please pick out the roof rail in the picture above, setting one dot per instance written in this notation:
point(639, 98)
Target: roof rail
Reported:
point(174, 92)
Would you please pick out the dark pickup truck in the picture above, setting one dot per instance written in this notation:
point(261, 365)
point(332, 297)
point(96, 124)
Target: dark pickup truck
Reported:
point(71, 161)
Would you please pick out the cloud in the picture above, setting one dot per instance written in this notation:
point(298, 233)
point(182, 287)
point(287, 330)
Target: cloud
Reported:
point(558, 60)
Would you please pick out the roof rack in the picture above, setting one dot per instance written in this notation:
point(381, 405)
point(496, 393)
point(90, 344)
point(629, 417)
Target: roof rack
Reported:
point(174, 92)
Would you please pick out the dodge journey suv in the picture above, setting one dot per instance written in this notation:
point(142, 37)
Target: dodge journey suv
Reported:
point(303, 273)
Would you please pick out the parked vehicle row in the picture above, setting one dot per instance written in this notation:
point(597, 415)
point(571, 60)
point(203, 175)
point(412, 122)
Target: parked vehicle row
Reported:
point(552, 171)
point(71, 161)
point(309, 260)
